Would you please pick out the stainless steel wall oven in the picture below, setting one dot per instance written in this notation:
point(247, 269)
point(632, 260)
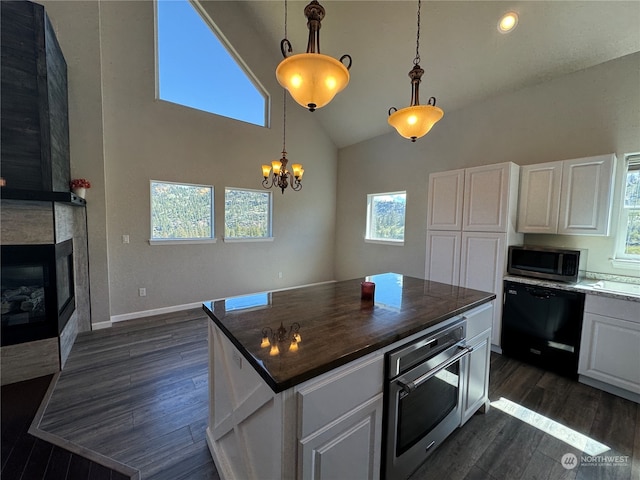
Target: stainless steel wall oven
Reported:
point(423, 397)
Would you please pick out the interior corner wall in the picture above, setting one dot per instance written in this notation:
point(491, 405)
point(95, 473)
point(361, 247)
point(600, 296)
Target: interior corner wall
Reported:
point(590, 112)
point(122, 137)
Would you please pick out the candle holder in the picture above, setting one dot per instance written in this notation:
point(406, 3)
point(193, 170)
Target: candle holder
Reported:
point(367, 291)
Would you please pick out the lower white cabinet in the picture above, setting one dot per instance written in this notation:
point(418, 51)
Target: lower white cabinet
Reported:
point(610, 344)
point(348, 447)
point(476, 388)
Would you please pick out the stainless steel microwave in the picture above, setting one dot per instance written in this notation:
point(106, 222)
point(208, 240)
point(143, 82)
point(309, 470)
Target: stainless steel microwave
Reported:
point(549, 263)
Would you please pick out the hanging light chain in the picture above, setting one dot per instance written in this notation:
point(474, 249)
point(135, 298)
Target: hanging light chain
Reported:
point(285, 18)
point(284, 121)
point(416, 60)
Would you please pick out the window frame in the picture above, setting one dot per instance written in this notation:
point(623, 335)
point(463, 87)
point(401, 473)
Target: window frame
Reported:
point(622, 259)
point(383, 241)
point(269, 237)
point(182, 241)
point(233, 53)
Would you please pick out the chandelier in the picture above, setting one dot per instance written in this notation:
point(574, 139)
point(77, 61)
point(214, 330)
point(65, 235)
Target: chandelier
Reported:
point(312, 79)
point(281, 340)
point(281, 177)
point(416, 120)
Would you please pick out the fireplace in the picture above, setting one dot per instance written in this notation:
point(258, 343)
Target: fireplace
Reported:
point(37, 291)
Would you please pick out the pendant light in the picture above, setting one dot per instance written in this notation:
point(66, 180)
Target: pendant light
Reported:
point(281, 177)
point(312, 79)
point(416, 120)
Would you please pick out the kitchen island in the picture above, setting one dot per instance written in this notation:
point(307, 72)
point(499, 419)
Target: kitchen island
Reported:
point(309, 404)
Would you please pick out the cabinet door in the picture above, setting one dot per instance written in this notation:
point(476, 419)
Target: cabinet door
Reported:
point(443, 257)
point(610, 351)
point(349, 447)
point(539, 200)
point(487, 198)
point(476, 391)
point(445, 200)
point(585, 198)
point(482, 267)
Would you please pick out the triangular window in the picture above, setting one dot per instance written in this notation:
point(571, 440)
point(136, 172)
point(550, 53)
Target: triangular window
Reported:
point(198, 69)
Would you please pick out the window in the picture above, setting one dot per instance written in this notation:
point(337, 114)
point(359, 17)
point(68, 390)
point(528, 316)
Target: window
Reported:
point(629, 232)
point(198, 69)
point(247, 214)
point(385, 217)
point(181, 212)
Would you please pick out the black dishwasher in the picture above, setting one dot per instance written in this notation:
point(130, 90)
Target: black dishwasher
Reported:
point(542, 326)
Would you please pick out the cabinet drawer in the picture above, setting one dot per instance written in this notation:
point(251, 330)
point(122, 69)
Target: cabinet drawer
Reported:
point(479, 319)
point(613, 307)
point(322, 400)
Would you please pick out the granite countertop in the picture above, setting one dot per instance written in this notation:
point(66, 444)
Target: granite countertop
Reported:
point(602, 288)
point(336, 327)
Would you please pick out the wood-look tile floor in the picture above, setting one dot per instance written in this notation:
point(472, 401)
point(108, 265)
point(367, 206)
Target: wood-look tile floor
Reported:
point(138, 393)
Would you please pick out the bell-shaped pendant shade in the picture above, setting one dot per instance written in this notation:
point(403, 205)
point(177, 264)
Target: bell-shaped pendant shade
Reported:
point(312, 79)
point(415, 121)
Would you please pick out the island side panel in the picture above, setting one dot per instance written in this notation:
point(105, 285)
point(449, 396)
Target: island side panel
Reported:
point(247, 425)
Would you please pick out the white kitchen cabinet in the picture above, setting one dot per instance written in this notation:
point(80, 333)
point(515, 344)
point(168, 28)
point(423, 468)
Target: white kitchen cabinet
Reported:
point(489, 192)
point(539, 200)
point(473, 255)
point(443, 256)
point(445, 200)
point(585, 196)
point(482, 267)
point(349, 447)
point(476, 389)
point(610, 345)
point(570, 197)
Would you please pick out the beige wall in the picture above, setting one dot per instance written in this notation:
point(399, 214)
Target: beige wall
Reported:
point(591, 112)
point(122, 137)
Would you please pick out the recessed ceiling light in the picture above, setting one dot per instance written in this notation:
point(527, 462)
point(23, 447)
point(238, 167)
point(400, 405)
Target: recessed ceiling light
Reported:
point(508, 22)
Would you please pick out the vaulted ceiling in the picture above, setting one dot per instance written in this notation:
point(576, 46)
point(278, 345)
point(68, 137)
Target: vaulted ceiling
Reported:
point(465, 58)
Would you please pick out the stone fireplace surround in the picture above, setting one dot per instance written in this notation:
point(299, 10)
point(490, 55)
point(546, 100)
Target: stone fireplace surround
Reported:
point(26, 222)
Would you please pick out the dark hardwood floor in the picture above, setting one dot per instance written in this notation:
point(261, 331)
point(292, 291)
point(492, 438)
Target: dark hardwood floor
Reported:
point(27, 457)
point(137, 393)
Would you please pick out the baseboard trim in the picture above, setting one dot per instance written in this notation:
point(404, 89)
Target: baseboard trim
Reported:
point(187, 306)
point(620, 392)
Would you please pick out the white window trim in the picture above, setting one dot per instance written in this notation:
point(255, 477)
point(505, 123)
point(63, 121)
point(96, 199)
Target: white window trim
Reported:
point(247, 239)
point(269, 237)
point(182, 241)
point(620, 260)
point(382, 241)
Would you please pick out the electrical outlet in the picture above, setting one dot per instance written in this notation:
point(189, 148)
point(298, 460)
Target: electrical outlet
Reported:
point(142, 292)
point(125, 238)
point(279, 274)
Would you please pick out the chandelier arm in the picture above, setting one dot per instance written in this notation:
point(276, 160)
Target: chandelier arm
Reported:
point(390, 112)
point(286, 48)
point(346, 55)
point(431, 101)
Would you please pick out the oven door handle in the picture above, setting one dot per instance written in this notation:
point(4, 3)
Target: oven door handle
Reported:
point(409, 387)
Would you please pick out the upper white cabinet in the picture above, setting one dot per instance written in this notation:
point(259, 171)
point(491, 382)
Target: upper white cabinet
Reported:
point(489, 191)
point(572, 197)
point(539, 197)
point(445, 200)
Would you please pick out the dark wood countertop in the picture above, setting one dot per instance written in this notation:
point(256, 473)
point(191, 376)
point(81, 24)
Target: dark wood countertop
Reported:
point(336, 327)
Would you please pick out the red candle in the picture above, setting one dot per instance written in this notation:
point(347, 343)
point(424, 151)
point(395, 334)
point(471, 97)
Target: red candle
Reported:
point(367, 289)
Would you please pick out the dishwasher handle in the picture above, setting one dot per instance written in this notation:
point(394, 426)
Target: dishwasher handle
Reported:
point(540, 293)
point(409, 387)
